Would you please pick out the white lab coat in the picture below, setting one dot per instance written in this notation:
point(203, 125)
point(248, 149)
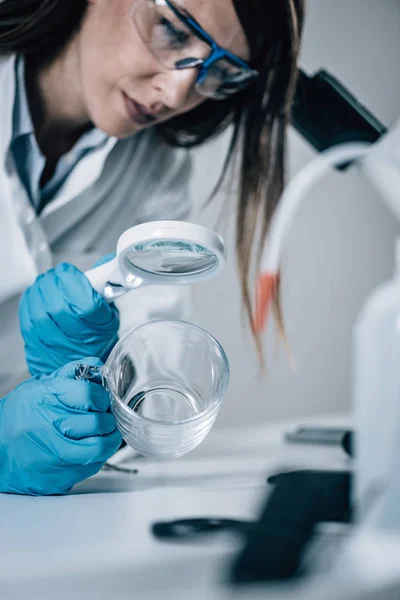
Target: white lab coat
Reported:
point(122, 184)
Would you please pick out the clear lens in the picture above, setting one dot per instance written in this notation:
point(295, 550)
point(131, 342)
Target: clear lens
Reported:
point(171, 43)
point(167, 36)
point(170, 258)
point(222, 79)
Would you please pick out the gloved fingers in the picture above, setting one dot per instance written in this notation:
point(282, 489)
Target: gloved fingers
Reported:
point(61, 483)
point(76, 394)
point(39, 459)
point(83, 300)
point(58, 346)
point(38, 332)
point(86, 471)
point(68, 371)
point(81, 426)
point(77, 473)
point(84, 396)
point(32, 316)
point(37, 320)
point(92, 469)
point(90, 450)
point(64, 297)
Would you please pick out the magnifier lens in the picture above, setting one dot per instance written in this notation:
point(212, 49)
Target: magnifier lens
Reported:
point(170, 258)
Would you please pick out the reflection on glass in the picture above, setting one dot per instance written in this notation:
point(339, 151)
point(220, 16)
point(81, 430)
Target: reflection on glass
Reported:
point(171, 258)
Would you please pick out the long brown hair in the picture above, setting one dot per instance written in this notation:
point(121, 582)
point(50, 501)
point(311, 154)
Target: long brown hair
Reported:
point(259, 116)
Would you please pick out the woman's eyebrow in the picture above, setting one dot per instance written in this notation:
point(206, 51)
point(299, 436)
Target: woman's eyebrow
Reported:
point(186, 13)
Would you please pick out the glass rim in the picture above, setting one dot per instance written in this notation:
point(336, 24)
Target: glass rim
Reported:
point(132, 413)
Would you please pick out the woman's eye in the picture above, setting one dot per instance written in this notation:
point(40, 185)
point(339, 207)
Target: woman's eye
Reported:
point(218, 72)
point(173, 35)
point(222, 73)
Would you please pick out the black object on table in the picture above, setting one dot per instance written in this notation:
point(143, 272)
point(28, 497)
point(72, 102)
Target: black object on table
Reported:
point(275, 545)
point(348, 443)
point(181, 529)
point(325, 436)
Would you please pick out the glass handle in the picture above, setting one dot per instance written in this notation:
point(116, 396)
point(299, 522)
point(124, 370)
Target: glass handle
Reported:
point(91, 373)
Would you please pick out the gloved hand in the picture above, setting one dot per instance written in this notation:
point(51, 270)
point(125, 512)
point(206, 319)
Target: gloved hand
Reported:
point(54, 432)
point(62, 318)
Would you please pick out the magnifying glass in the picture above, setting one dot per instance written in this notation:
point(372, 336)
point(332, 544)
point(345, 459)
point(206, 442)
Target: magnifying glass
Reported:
point(160, 252)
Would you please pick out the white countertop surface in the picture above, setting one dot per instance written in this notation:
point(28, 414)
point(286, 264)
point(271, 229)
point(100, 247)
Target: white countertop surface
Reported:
point(97, 542)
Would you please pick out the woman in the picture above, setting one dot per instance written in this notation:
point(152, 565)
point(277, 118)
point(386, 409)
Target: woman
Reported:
point(100, 101)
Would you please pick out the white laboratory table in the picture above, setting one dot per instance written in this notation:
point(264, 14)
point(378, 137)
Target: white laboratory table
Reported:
point(97, 541)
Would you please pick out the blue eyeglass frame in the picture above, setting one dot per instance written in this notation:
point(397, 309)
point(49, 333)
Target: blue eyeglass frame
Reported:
point(217, 52)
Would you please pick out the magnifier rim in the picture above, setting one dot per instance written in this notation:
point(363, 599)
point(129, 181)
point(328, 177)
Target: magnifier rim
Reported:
point(132, 413)
point(164, 231)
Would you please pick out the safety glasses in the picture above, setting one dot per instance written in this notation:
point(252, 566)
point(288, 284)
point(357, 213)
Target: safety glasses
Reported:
point(178, 42)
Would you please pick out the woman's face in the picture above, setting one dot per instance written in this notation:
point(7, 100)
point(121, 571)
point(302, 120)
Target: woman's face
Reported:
point(124, 87)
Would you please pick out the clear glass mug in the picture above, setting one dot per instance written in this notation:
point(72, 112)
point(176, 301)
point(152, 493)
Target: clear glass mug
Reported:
point(167, 380)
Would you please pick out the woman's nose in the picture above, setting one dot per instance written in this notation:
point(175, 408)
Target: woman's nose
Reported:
point(176, 87)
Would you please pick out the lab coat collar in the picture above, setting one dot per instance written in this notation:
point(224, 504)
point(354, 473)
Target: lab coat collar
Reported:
point(83, 175)
point(7, 85)
point(22, 122)
point(24, 235)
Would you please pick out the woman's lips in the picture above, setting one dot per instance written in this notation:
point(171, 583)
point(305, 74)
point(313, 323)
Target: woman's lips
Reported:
point(137, 112)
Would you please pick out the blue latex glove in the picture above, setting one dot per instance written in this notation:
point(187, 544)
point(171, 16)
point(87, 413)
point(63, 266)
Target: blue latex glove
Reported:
point(62, 318)
point(54, 432)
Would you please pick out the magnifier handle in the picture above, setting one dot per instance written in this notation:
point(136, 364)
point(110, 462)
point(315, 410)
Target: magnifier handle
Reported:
point(106, 273)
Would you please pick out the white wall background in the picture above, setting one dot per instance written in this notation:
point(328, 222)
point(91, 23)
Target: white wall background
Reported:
point(341, 245)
